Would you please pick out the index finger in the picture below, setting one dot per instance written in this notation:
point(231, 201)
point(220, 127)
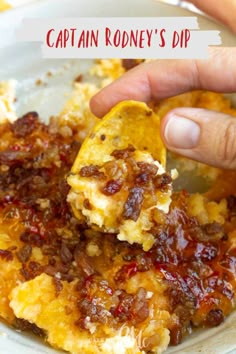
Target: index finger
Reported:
point(165, 78)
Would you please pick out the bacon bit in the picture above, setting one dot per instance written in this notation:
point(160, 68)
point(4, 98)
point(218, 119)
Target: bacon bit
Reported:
point(179, 291)
point(38, 82)
point(25, 125)
point(63, 157)
point(103, 137)
point(25, 272)
point(126, 272)
point(140, 307)
point(31, 238)
point(65, 254)
point(149, 168)
point(68, 310)
point(86, 204)
point(87, 283)
point(15, 147)
point(93, 310)
point(79, 78)
point(91, 171)
point(176, 334)
point(214, 318)
point(207, 232)
point(161, 181)
point(123, 310)
point(24, 253)
point(112, 170)
point(58, 269)
point(81, 323)
point(133, 205)
point(82, 261)
point(206, 252)
point(109, 291)
point(11, 158)
point(24, 325)
point(34, 229)
point(111, 187)
point(213, 228)
point(129, 63)
point(58, 285)
point(229, 262)
point(8, 199)
point(6, 254)
point(123, 153)
point(31, 270)
point(142, 179)
point(143, 262)
point(132, 307)
point(231, 203)
point(12, 248)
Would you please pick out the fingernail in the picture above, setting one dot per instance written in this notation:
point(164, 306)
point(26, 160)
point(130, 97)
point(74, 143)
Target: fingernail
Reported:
point(181, 133)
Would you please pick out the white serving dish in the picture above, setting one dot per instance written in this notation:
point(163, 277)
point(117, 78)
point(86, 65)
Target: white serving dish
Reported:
point(23, 62)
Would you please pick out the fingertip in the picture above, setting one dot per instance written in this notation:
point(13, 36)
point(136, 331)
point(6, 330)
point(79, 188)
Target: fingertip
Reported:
point(133, 85)
point(108, 97)
point(96, 107)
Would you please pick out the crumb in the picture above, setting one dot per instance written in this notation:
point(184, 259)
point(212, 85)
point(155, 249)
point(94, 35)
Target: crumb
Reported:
point(38, 82)
point(79, 78)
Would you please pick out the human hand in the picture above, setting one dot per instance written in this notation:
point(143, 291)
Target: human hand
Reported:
point(223, 11)
point(199, 134)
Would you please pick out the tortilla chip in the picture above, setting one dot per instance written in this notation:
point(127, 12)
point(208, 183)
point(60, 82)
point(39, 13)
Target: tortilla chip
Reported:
point(114, 177)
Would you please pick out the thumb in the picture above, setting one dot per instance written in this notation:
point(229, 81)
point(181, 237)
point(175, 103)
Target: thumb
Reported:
point(214, 8)
point(202, 135)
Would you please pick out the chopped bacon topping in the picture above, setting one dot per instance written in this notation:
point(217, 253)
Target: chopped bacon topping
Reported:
point(25, 125)
point(196, 262)
point(133, 205)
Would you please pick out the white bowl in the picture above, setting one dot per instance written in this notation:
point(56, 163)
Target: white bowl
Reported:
point(23, 62)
